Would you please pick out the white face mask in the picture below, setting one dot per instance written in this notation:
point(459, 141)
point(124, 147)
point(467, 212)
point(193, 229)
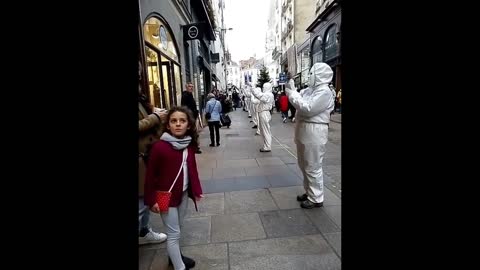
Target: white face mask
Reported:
point(311, 79)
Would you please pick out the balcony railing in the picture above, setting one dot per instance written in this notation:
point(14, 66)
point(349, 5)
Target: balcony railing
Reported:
point(276, 53)
point(284, 57)
point(289, 26)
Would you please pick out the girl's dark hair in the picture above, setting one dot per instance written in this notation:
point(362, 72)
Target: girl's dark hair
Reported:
point(192, 131)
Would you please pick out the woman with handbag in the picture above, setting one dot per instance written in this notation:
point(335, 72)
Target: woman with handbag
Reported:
point(213, 109)
point(172, 178)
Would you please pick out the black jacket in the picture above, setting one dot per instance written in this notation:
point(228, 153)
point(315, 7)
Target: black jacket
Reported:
point(189, 101)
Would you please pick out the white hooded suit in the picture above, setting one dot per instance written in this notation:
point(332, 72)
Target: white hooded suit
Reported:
point(248, 101)
point(264, 116)
point(313, 105)
point(255, 112)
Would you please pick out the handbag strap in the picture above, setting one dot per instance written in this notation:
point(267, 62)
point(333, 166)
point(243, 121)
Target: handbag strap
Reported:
point(185, 155)
point(214, 106)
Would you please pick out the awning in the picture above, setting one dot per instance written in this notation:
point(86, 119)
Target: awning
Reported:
point(203, 63)
point(214, 76)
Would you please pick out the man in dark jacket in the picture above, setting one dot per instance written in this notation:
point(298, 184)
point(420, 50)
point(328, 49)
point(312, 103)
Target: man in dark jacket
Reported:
point(189, 101)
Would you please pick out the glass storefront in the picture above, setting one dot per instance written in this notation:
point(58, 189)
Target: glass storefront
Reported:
point(157, 34)
point(178, 83)
point(153, 77)
point(164, 74)
point(317, 53)
point(331, 44)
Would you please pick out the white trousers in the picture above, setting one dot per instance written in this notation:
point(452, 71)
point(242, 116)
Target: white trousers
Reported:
point(248, 102)
point(265, 131)
point(254, 115)
point(311, 140)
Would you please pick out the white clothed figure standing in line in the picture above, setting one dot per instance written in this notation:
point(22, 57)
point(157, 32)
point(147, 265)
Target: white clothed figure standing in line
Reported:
point(241, 95)
point(255, 110)
point(252, 106)
point(313, 105)
point(264, 115)
point(248, 96)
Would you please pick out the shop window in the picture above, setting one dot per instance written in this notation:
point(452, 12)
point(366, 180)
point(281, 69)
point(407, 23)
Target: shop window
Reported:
point(317, 53)
point(163, 66)
point(157, 34)
point(331, 42)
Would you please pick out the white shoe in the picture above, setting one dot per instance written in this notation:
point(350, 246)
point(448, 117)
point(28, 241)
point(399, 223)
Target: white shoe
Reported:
point(152, 238)
point(293, 120)
point(284, 120)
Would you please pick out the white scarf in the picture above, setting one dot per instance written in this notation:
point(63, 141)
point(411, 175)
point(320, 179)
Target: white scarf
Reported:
point(178, 144)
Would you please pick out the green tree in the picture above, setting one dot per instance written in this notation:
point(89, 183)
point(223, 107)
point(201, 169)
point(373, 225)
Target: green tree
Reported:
point(264, 77)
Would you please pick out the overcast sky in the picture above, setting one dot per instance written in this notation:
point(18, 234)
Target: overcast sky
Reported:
point(249, 19)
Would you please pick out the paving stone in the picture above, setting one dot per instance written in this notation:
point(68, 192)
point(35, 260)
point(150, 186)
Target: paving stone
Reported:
point(236, 227)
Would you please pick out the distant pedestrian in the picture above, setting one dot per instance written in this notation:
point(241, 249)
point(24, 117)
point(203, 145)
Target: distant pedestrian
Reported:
point(283, 101)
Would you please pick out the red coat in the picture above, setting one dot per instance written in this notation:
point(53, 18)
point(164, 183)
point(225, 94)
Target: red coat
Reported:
point(283, 103)
point(163, 165)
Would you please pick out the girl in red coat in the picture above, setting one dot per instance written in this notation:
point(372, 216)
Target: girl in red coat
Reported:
point(284, 106)
point(164, 166)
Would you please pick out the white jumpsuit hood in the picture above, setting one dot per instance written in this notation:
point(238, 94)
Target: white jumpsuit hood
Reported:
point(320, 74)
point(265, 92)
point(267, 87)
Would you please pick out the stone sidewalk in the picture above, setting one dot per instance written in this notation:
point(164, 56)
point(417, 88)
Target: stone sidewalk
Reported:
point(249, 218)
point(336, 117)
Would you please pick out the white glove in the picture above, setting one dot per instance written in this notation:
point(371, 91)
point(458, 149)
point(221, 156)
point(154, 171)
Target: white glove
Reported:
point(290, 87)
point(158, 110)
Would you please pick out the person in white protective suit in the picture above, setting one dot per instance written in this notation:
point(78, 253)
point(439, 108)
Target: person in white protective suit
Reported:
point(313, 105)
point(248, 95)
point(264, 116)
point(255, 110)
point(252, 110)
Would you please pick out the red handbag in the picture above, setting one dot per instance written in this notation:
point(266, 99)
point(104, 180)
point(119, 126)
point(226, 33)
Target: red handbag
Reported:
point(163, 197)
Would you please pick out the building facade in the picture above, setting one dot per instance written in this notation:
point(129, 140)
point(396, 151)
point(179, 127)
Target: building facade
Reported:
point(233, 75)
point(325, 38)
point(173, 55)
point(273, 41)
point(287, 22)
point(219, 62)
point(301, 33)
point(250, 71)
